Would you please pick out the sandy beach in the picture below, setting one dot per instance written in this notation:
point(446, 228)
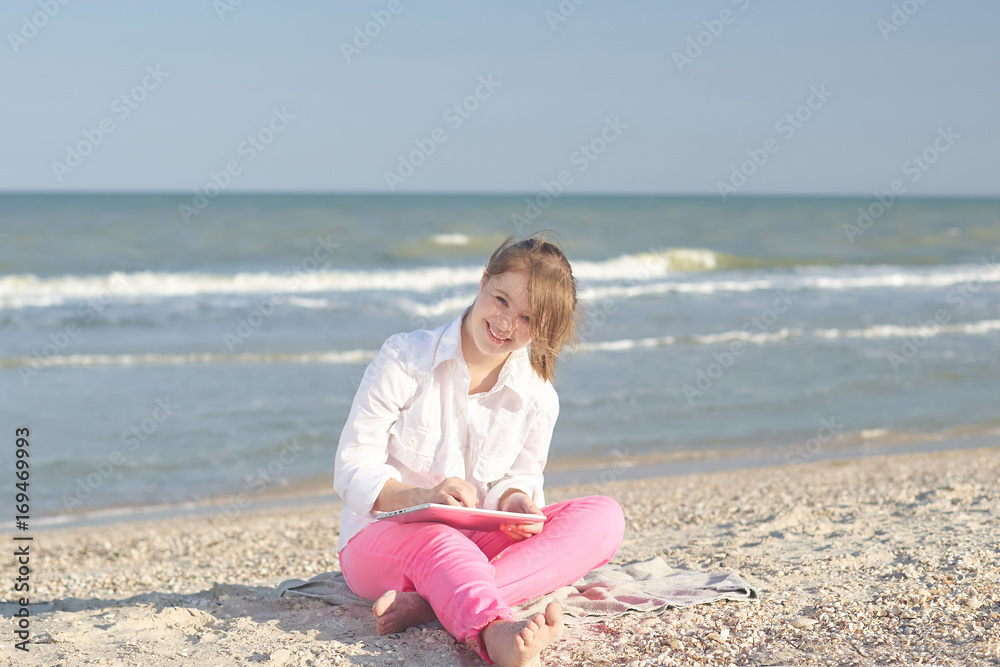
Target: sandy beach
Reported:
point(863, 562)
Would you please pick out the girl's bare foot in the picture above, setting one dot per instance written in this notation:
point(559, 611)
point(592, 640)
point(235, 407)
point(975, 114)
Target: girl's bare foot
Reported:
point(518, 643)
point(395, 611)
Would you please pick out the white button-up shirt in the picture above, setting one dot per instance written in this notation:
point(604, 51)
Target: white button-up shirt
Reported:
point(414, 421)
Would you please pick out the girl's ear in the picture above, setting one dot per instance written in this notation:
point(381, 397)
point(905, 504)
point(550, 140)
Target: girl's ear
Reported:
point(482, 283)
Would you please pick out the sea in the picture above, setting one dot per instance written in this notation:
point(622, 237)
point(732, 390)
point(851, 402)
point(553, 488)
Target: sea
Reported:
point(162, 350)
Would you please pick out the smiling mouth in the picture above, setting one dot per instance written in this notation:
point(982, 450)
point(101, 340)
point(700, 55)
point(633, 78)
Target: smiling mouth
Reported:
point(495, 338)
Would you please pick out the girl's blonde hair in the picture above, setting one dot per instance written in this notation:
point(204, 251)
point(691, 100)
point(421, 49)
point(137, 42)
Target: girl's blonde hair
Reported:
point(554, 314)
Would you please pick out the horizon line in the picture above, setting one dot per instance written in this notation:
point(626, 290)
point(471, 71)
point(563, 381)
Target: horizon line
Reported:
point(500, 193)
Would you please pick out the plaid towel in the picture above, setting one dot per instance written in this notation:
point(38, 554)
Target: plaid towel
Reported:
point(612, 590)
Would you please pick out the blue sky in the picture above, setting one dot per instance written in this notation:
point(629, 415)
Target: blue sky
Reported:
point(555, 87)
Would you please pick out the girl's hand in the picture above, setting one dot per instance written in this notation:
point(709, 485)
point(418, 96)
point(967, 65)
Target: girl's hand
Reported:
point(452, 491)
point(520, 502)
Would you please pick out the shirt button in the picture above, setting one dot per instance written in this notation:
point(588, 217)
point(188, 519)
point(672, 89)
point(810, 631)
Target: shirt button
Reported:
point(412, 440)
point(463, 412)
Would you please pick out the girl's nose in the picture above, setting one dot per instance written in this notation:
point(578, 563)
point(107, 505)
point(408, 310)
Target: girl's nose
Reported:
point(504, 323)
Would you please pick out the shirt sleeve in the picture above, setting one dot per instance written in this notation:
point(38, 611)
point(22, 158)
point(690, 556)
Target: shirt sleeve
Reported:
point(526, 472)
point(360, 470)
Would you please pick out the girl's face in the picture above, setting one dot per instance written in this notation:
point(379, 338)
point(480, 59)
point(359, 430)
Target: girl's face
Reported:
point(499, 321)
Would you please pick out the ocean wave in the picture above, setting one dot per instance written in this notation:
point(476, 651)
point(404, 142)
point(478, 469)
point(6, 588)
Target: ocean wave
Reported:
point(629, 276)
point(26, 290)
point(450, 305)
point(827, 278)
point(29, 290)
point(652, 264)
point(302, 302)
point(627, 344)
point(879, 331)
point(451, 239)
point(153, 359)
point(928, 330)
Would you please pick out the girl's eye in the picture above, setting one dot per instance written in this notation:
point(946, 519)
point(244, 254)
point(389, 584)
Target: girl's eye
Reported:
point(504, 302)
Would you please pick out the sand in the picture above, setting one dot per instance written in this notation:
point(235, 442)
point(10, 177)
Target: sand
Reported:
point(862, 562)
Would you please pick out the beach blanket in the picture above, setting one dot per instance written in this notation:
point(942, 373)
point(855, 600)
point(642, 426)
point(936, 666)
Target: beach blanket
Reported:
point(612, 590)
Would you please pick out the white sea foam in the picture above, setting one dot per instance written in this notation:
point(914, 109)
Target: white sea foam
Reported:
point(150, 359)
point(832, 278)
point(363, 356)
point(647, 265)
point(22, 290)
point(908, 331)
point(450, 305)
point(642, 274)
point(303, 302)
point(627, 344)
point(451, 239)
point(761, 338)
point(26, 289)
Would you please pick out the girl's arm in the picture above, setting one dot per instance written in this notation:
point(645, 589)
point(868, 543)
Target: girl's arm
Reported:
point(453, 491)
point(361, 471)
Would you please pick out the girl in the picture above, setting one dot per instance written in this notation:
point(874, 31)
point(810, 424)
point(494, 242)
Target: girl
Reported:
point(463, 415)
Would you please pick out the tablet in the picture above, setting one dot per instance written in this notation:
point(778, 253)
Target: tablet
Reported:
point(466, 518)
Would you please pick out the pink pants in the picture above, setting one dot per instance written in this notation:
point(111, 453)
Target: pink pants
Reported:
point(471, 577)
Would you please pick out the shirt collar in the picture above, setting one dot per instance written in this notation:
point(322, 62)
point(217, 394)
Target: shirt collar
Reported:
point(449, 345)
point(513, 373)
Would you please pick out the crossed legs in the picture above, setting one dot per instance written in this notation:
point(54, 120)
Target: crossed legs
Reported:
point(470, 579)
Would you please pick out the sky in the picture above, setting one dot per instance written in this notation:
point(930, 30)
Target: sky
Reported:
point(713, 97)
